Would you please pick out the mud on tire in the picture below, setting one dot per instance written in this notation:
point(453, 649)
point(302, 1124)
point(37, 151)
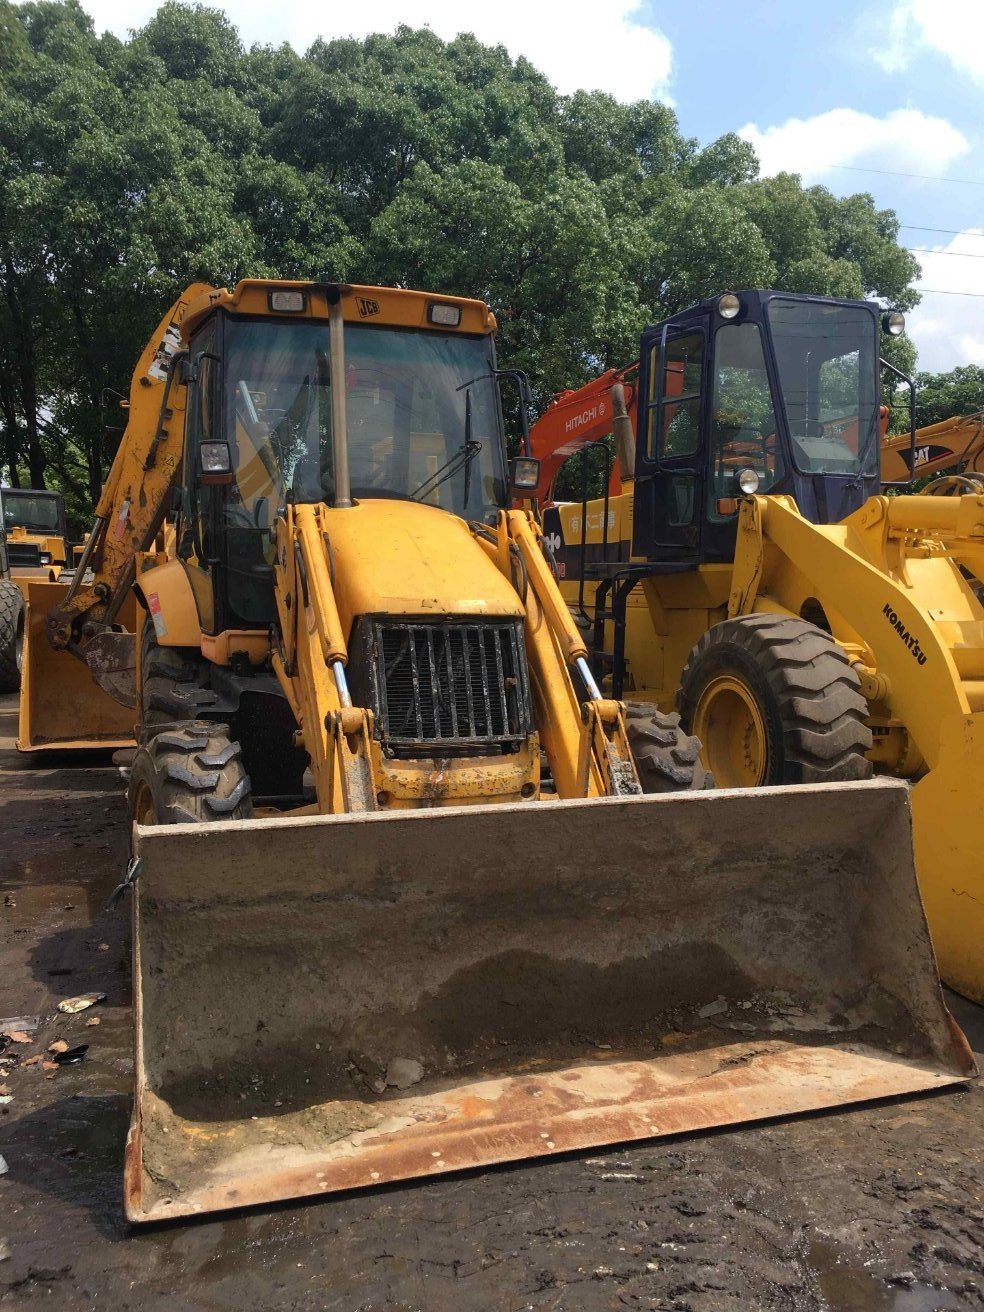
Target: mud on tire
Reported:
point(807, 692)
point(11, 635)
point(666, 757)
point(189, 774)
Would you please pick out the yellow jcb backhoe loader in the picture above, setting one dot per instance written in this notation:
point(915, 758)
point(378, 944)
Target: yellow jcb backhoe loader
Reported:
point(400, 903)
point(749, 573)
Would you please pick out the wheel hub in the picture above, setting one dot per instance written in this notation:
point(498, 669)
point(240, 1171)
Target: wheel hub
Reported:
point(730, 726)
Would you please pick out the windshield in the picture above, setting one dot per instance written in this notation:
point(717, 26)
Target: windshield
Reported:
point(422, 411)
point(30, 510)
point(827, 361)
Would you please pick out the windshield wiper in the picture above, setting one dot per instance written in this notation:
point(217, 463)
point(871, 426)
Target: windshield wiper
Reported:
point(462, 459)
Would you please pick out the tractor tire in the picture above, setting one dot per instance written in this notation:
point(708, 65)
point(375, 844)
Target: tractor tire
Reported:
point(190, 773)
point(667, 759)
point(171, 682)
point(774, 700)
point(11, 635)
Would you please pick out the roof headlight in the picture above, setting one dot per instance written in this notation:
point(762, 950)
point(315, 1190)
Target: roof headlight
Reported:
point(448, 316)
point(894, 322)
point(287, 302)
point(729, 306)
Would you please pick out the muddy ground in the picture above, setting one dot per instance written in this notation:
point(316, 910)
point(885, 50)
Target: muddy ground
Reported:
point(873, 1210)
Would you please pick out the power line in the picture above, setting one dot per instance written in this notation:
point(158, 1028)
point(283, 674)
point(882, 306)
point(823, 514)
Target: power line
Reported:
point(953, 232)
point(961, 255)
point(892, 173)
point(936, 291)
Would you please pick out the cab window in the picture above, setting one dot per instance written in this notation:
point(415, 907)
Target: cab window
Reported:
point(673, 419)
point(743, 421)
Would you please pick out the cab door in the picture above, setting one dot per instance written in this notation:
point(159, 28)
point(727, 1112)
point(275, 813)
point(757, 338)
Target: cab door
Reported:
point(670, 476)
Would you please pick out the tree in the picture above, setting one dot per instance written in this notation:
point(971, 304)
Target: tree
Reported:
point(129, 168)
point(941, 396)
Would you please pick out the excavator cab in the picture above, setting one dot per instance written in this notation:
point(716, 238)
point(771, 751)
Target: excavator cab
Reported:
point(753, 391)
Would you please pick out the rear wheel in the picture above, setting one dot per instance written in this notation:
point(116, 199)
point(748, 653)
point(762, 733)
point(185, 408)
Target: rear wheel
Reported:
point(667, 759)
point(189, 774)
point(170, 681)
point(11, 635)
point(774, 700)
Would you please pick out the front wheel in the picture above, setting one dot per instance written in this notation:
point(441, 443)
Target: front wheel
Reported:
point(189, 773)
point(774, 700)
point(11, 635)
point(667, 759)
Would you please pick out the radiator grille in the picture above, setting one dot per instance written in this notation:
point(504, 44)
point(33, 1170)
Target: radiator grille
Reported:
point(23, 553)
point(447, 684)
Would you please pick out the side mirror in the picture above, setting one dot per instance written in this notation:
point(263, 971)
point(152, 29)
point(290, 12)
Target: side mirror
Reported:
point(524, 474)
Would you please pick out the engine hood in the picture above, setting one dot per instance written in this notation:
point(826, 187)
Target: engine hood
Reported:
point(404, 558)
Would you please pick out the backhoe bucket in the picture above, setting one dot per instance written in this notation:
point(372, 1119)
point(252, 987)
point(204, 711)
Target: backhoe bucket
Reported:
point(331, 1003)
point(62, 708)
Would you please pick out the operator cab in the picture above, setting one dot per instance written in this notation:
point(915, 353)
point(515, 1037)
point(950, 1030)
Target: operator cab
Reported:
point(423, 422)
point(754, 391)
point(33, 523)
point(34, 511)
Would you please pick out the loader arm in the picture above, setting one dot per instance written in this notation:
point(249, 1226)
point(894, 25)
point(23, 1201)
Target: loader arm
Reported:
point(310, 660)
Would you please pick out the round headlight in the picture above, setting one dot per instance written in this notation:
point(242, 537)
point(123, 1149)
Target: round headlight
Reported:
point(728, 305)
point(748, 481)
point(894, 322)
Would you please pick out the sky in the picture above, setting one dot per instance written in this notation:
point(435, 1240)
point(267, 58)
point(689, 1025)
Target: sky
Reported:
point(882, 96)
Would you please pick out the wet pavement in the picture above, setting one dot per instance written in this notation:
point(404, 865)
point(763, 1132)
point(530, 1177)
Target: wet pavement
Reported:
point(878, 1209)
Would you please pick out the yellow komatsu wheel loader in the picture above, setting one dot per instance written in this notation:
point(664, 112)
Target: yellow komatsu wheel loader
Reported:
point(401, 904)
point(743, 567)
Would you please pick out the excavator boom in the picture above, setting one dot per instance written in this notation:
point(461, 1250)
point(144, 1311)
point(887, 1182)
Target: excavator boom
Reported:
point(79, 652)
point(955, 444)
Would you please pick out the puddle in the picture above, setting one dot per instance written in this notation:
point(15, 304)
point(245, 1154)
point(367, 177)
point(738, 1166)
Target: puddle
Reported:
point(847, 1288)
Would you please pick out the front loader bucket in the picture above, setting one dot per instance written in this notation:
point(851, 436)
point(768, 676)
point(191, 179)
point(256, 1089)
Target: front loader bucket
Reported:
point(330, 1003)
point(61, 705)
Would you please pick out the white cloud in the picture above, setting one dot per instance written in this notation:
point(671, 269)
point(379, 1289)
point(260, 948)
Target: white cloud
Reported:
point(576, 45)
point(949, 330)
point(952, 28)
point(905, 139)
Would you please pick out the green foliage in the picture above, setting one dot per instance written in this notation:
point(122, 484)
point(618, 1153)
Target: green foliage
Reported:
point(129, 168)
point(941, 396)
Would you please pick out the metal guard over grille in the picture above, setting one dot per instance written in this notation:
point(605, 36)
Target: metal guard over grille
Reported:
point(451, 684)
point(23, 553)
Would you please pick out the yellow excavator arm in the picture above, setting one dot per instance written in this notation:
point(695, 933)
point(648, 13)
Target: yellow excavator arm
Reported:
point(133, 503)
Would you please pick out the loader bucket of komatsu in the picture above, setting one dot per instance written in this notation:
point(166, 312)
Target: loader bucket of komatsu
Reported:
point(61, 705)
point(331, 1003)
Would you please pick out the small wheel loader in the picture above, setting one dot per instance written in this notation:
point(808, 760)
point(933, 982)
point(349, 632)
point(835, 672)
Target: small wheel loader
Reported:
point(33, 545)
point(744, 567)
point(404, 898)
